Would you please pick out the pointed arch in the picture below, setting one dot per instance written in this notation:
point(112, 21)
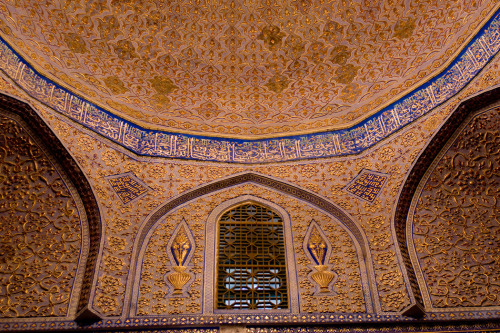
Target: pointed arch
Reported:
point(267, 181)
point(460, 116)
point(48, 141)
point(211, 248)
point(281, 186)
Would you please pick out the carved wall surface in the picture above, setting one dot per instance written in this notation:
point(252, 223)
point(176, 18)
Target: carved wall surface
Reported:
point(100, 160)
point(40, 232)
point(456, 226)
point(347, 290)
point(169, 178)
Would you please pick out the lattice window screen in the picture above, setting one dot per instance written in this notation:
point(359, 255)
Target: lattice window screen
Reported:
point(251, 263)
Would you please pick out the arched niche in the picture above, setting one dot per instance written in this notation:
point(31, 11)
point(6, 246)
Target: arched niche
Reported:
point(417, 179)
point(79, 189)
point(147, 230)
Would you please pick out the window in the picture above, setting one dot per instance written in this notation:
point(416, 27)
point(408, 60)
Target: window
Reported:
point(251, 272)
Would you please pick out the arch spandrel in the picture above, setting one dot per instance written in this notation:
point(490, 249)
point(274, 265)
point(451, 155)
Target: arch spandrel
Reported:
point(201, 215)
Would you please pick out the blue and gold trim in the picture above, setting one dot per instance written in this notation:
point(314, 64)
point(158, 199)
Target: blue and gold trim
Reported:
point(367, 185)
point(128, 187)
point(480, 50)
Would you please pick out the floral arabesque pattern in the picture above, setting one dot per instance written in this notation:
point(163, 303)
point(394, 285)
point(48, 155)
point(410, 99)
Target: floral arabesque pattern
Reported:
point(168, 178)
point(39, 229)
point(237, 67)
point(348, 287)
point(456, 224)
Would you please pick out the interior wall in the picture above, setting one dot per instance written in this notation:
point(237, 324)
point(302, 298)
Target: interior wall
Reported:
point(347, 290)
point(154, 182)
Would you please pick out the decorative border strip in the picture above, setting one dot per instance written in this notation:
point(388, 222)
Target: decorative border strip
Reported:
point(480, 50)
point(410, 328)
point(152, 323)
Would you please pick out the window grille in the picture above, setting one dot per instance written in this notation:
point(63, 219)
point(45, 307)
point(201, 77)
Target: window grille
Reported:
point(251, 263)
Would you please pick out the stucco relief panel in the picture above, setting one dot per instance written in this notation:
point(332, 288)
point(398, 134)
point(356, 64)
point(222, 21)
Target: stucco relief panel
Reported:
point(40, 229)
point(326, 177)
point(239, 68)
point(347, 295)
point(456, 226)
point(171, 178)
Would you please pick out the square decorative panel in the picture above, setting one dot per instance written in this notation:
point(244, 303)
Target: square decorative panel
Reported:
point(367, 185)
point(128, 187)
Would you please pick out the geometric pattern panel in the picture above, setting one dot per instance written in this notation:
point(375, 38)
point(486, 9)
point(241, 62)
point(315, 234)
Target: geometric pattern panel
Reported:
point(128, 187)
point(367, 185)
point(251, 263)
point(456, 226)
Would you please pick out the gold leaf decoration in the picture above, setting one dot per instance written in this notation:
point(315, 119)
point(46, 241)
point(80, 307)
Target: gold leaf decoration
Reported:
point(317, 246)
point(333, 32)
point(456, 228)
point(181, 246)
point(272, 36)
point(163, 85)
point(137, 41)
point(346, 73)
point(125, 50)
point(404, 28)
point(75, 43)
point(115, 85)
point(340, 54)
point(277, 83)
point(178, 279)
point(39, 229)
point(323, 277)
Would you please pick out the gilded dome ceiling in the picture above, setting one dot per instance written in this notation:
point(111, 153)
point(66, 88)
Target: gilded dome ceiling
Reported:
point(241, 69)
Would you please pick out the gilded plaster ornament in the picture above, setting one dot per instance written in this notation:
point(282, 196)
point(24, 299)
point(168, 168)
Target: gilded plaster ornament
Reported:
point(323, 277)
point(404, 28)
point(40, 229)
point(178, 279)
point(456, 230)
point(181, 249)
point(137, 53)
point(347, 284)
point(272, 36)
point(277, 83)
point(318, 249)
